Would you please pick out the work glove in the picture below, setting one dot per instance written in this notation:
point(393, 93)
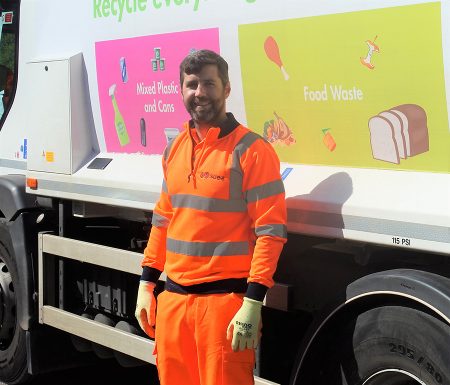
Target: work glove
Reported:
point(146, 308)
point(244, 329)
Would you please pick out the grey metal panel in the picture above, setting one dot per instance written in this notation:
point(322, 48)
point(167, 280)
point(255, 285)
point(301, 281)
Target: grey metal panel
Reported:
point(40, 275)
point(371, 225)
point(133, 345)
point(100, 255)
point(99, 191)
point(316, 218)
point(17, 164)
point(261, 381)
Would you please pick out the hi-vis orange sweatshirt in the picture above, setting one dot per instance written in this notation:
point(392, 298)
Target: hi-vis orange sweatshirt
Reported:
point(221, 216)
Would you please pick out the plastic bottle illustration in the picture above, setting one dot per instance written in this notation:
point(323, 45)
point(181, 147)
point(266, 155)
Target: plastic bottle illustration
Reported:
point(121, 129)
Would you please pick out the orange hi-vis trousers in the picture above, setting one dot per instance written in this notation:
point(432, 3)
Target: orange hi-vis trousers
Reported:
point(191, 341)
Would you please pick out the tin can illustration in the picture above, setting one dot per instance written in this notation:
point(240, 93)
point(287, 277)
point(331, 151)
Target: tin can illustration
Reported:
point(123, 69)
point(157, 53)
point(154, 65)
point(162, 64)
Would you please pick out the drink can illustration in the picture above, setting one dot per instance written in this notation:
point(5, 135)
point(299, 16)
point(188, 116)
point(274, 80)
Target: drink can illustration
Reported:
point(143, 132)
point(157, 53)
point(154, 65)
point(123, 69)
point(162, 64)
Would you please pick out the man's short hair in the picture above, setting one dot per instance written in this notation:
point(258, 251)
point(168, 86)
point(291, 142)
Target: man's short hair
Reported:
point(196, 60)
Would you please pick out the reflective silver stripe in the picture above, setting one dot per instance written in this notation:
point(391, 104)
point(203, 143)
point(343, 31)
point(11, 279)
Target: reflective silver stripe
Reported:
point(371, 225)
point(208, 204)
point(264, 191)
point(275, 230)
point(236, 174)
point(207, 249)
point(17, 164)
point(164, 187)
point(159, 220)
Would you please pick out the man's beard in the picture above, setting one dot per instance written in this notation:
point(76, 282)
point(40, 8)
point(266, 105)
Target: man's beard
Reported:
point(208, 113)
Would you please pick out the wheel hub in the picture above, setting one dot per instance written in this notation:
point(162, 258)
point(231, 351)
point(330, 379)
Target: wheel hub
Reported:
point(393, 377)
point(7, 307)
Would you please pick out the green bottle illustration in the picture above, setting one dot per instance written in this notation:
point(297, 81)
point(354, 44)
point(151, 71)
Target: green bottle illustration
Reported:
point(121, 129)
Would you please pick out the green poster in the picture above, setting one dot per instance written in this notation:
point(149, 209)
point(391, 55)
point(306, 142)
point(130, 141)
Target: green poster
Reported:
point(360, 89)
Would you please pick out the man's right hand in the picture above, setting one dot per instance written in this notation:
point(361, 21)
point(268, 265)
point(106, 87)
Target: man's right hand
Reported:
point(146, 308)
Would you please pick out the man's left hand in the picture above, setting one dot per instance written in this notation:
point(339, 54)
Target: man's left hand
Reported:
point(245, 327)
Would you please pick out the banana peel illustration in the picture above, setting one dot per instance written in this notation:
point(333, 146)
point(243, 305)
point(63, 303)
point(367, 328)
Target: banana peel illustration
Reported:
point(276, 131)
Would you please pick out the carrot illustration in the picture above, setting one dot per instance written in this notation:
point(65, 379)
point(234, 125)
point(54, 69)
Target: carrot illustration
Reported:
point(273, 53)
point(328, 139)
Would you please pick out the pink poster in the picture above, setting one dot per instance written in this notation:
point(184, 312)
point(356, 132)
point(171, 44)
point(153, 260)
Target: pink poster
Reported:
point(139, 88)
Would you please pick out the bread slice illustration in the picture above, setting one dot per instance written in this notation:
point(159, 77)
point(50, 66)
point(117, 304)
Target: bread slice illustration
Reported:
point(405, 131)
point(399, 133)
point(397, 126)
point(414, 121)
point(382, 140)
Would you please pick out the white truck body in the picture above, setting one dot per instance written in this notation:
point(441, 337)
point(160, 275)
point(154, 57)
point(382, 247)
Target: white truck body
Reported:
point(398, 203)
point(355, 175)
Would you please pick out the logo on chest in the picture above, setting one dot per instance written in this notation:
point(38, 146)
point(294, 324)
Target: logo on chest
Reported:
point(208, 175)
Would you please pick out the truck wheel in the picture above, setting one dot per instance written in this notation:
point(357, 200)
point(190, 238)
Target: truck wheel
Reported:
point(390, 345)
point(13, 356)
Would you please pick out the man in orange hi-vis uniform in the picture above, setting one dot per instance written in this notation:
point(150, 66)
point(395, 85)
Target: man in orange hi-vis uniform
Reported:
point(217, 230)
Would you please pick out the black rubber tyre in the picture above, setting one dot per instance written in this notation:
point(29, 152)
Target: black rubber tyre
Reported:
point(390, 345)
point(13, 352)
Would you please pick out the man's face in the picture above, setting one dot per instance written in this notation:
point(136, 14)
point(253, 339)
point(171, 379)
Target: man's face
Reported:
point(204, 96)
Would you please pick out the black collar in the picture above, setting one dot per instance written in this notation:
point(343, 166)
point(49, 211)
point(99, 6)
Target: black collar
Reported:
point(226, 127)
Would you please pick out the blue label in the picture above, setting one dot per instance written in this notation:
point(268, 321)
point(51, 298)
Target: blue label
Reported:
point(286, 172)
point(25, 149)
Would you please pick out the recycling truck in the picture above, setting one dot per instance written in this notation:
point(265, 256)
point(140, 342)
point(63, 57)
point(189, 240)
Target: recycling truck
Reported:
point(353, 96)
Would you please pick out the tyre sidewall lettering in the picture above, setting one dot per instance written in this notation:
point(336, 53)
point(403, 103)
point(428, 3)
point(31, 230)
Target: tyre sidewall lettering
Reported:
point(388, 338)
point(421, 360)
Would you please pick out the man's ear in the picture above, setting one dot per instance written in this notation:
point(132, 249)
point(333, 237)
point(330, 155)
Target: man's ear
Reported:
point(227, 90)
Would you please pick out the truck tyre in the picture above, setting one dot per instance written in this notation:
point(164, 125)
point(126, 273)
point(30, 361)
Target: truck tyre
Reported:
point(389, 345)
point(13, 352)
